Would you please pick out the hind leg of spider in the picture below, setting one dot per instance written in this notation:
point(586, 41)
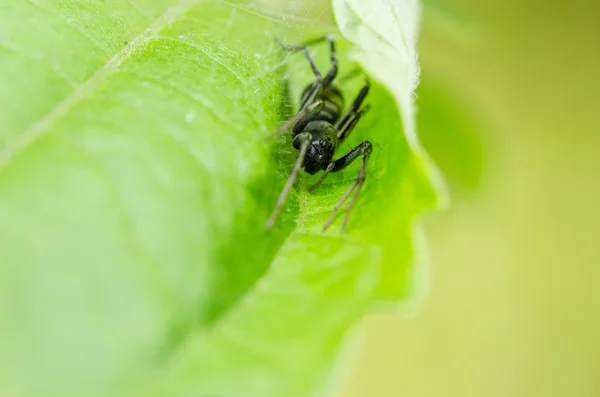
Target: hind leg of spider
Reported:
point(332, 73)
point(308, 100)
point(302, 141)
point(364, 151)
point(309, 97)
point(347, 122)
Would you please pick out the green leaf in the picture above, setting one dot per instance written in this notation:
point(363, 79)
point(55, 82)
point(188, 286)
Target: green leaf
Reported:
point(135, 185)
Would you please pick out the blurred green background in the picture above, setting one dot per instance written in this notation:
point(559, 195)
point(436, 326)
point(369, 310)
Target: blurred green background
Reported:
point(514, 304)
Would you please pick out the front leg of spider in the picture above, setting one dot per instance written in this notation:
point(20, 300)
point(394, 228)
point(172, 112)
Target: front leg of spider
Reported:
point(301, 141)
point(364, 151)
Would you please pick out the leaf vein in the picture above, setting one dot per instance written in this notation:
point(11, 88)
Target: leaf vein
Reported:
point(46, 122)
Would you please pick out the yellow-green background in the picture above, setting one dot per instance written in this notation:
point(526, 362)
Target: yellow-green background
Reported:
point(514, 304)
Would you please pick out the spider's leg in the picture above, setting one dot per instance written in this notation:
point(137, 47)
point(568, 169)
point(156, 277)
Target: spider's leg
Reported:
point(347, 122)
point(307, 116)
point(353, 118)
point(304, 141)
point(330, 76)
point(307, 54)
point(303, 113)
point(364, 150)
point(309, 96)
point(322, 178)
point(332, 73)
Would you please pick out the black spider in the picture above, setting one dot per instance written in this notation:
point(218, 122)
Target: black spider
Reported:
point(318, 130)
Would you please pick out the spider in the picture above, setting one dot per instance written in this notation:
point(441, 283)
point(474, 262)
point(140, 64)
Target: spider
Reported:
point(318, 130)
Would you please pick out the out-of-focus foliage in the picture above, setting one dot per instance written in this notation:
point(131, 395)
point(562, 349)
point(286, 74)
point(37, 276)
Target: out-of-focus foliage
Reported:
point(449, 133)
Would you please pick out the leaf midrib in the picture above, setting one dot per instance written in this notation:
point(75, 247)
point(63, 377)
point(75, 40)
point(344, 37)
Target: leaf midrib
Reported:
point(85, 89)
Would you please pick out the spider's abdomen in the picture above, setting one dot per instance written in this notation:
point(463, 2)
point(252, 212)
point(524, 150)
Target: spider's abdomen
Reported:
point(333, 103)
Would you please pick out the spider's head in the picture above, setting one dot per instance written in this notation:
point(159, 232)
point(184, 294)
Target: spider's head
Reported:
point(322, 146)
point(317, 158)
